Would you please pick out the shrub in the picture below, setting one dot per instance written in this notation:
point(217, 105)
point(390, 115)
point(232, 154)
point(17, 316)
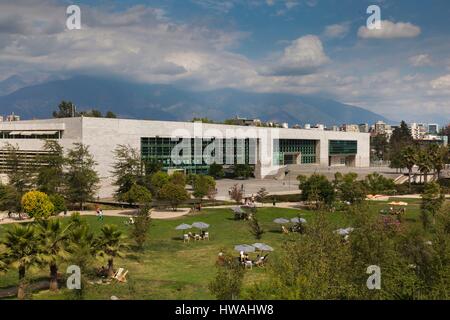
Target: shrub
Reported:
point(37, 204)
point(59, 203)
point(174, 194)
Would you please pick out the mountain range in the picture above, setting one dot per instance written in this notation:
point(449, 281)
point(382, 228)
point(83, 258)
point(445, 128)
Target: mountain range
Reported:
point(168, 102)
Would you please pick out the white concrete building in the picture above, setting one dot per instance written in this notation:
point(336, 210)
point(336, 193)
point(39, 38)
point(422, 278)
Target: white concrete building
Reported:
point(269, 150)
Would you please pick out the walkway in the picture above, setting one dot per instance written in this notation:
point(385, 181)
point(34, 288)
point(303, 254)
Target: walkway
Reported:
point(155, 214)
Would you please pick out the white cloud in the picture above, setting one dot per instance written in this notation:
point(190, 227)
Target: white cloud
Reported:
point(336, 30)
point(441, 83)
point(303, 56)
point(421, 60)
point(390, 30)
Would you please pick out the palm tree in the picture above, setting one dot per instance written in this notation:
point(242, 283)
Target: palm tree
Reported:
point(438, 156)
point(82, 249)
point(409, 158)
point(3, 259)
point(21, 246)
point(424, 163)
point(110, 245)
point(52, 243)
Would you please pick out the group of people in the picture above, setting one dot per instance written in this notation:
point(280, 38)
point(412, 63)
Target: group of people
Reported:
point(246, 261)
point(202, 236)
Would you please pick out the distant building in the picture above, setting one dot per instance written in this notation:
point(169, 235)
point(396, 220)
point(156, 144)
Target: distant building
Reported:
point(267, 150)
point(418, 130)
point(433, 128)
point(364, 127)
point(350, 128)
point(12, 117)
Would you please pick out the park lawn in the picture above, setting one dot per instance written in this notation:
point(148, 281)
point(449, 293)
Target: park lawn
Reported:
point(167, 268)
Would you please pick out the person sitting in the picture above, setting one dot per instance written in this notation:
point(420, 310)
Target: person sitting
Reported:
point(242, 257)
point(220, 259)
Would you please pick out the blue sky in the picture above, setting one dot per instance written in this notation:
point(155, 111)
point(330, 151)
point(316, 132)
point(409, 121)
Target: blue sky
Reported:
point(319, 47)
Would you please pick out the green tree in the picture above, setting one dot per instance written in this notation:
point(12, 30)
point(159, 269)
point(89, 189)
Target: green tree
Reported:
point(316, 189)
point(174, 194)
point(159, 180)
point(127, 170)
point(349, 188)
point(227, 284)
point(50, 174)
point(317, 267)
point(59, 203)
point(110, 245)
point(401, 137)
point(9, 198)
point(82, 249)
point(136, 194)
point(203, 186)
point(438, 156)
point(376, 183)
point(21, 247)
point(152, 166)
point(140, 227)
point(261, 195)
point(52, 239)
point(243, 171)
point(424, 162)
point(81, 178)
point(380, 146)
point(216, 171)
point(432, 200)
point(94, 113)
point(110, 115)
point(37, 205)
point(409, 159)
point(255, 227)
point(20, 171)
point(66, 109)
point(178, 178)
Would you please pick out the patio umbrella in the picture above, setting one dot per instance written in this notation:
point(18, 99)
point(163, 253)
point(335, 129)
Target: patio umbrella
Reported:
point(281, 221)
point(200, 225)
point(183, 226)
point(344, 232)
point(244, 247)
point(298, 220)
point(262, 247)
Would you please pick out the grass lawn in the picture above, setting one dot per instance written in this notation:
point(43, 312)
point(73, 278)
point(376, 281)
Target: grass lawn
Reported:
point(171, 269)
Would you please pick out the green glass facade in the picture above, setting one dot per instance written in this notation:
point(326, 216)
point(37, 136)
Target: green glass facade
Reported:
point(286, 149)
point(159, 149)
point(343, 147)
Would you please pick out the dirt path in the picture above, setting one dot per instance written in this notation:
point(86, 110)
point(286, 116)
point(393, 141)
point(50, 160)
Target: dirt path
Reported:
point(155, 214)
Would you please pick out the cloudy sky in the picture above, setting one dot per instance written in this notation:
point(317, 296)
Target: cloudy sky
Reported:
point(317, 47)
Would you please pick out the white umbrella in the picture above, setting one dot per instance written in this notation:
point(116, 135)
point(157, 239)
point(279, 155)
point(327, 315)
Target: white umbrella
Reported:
point(183, 226)
point(344, 232)
point(244, 248)
point(200, 225)
point(298, 220)
point(281, 221)
point(262, 247)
